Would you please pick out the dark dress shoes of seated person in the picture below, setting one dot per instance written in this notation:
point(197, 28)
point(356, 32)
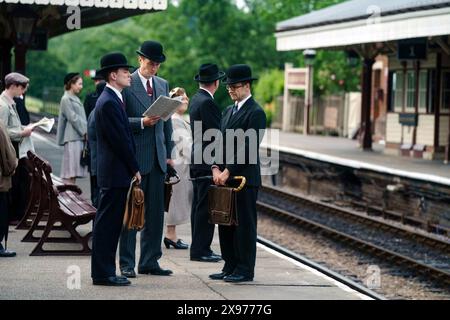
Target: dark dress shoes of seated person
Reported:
point(156, 272)
point(117, 281)
point(177, 245)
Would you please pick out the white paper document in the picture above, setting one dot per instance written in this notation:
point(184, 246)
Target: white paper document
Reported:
point(163, 107)
point(45, 123)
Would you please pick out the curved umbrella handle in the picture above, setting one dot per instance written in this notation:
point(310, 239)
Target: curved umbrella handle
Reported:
point(241, 186)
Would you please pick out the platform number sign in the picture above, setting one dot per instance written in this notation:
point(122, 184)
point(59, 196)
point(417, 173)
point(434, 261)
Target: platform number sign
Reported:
point(412, 49)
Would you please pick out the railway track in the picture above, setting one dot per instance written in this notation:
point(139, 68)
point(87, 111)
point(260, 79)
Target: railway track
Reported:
point(334, 275)
point(427, 255)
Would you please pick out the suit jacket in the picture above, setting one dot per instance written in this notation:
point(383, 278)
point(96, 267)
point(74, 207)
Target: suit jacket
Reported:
point(250, 116)
point(91, 98)
point(157, 137)
point(116, 162)
point(22, 111)
point(202, 107)
point(72, 123)
point(8, 160)
point(11, 120)
point(92, 140)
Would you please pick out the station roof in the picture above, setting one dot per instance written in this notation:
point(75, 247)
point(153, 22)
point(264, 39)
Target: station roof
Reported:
point(53, 13)
point(364, 21)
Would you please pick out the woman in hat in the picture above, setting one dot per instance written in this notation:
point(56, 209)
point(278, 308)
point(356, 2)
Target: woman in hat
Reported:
point(72, 128)
point(181, 201)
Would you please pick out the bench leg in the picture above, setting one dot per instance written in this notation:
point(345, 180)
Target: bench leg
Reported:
point(84, 241)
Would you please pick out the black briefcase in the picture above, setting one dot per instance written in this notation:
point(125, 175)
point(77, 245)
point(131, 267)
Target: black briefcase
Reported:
point(222, 204)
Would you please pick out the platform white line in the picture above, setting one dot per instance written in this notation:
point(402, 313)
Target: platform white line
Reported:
point(316, 272)
point(359, 164)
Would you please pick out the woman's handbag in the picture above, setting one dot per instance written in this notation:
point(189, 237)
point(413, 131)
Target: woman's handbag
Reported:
point(85, 159)
point(168, 183)
point(222, 203)
point(134, 217)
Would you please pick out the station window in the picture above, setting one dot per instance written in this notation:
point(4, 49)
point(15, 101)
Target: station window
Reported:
point(410, 90)
point(397, 90)
point(423, 79)
point(445, 91)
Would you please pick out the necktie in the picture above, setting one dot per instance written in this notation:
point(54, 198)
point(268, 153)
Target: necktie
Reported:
point(235, 109)
point(149, 88)
point(122, 104)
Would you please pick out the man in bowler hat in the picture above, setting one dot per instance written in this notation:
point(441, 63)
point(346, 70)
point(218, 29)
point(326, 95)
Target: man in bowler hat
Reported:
point(154, 146)
point(116, 166)
point(204, 115)
point(238, 243)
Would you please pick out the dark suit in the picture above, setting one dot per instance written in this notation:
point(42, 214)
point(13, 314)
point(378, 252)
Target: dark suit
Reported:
point(238, 243)
point(116, 166)
point(89, 105)
point(202, 108)
point(153, 147)
point(91, 98)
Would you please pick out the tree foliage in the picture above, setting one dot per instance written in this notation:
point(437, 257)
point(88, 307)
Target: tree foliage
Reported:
point(196, 32)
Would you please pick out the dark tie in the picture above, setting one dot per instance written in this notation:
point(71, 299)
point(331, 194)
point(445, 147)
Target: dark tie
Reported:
point(122, 104)
point(149, 88)
point(235, 109)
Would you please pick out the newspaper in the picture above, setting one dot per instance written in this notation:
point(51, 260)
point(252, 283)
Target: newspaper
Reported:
point(163, 107)
point(45, 123)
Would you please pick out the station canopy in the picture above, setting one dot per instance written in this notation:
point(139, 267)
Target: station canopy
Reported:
point(52, 14)
point(364, 21)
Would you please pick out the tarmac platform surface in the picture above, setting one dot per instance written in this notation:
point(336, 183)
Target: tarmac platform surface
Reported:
point(68, 277)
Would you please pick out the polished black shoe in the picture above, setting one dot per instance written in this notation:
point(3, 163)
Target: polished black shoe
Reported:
point(6, 253)
point(177, 245)
point(112, 281)
point(216, 255)
point(236, 278)
point(210, 258)
point(219, 276)
point(156, 272)
point(129, 273)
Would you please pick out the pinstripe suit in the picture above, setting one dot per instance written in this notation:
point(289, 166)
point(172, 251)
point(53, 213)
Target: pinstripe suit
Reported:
point(153, 148)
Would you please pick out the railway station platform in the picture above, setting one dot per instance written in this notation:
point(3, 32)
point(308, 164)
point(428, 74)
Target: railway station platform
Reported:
point(345, 152)
point(56, 277)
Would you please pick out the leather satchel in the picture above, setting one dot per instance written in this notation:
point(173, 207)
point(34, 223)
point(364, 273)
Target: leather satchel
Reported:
point(222, 206)
point(134, 217)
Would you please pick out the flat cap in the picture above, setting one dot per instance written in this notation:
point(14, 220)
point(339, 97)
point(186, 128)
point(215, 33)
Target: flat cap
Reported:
point(15, 78)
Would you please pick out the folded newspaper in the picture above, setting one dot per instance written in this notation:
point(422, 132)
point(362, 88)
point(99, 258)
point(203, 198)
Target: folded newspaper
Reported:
point(163, 107)
point(45, 124)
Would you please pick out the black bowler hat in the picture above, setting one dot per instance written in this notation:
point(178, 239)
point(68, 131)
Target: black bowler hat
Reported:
point(209, 72)
point(98, 76)
point(239, 73)
point(70, 76)
point(152, 50)
point(112, 61)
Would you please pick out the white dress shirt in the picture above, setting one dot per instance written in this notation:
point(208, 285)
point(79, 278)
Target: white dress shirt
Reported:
point(117, 92)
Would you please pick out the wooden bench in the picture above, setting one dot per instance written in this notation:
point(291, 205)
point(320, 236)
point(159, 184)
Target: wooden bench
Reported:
point(34, 204)
point(66, 208)
point(38, 202)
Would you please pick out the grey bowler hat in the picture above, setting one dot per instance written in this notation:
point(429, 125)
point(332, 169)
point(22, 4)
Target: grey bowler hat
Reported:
point(14, 78)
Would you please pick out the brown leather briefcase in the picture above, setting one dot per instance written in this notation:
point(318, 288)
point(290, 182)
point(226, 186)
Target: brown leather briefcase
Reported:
point(222, 204)
point(134, 217)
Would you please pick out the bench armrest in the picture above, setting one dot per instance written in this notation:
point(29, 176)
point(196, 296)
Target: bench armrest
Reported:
point(70, 187)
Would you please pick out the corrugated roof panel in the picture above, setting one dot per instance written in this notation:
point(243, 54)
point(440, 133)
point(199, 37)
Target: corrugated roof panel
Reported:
point(358, 9)
point(115, 4)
